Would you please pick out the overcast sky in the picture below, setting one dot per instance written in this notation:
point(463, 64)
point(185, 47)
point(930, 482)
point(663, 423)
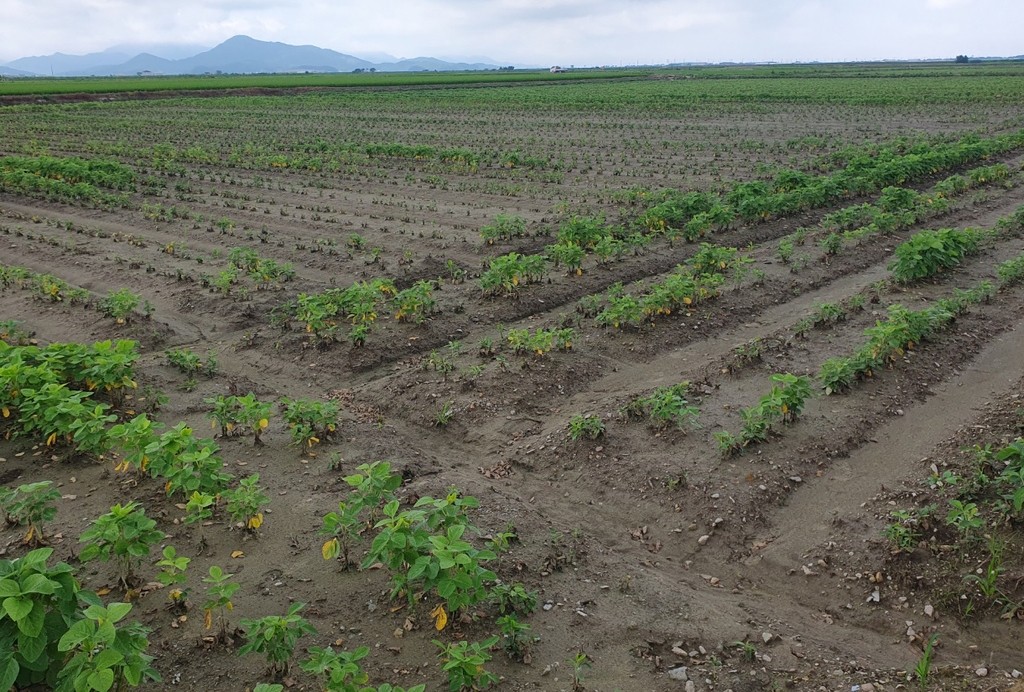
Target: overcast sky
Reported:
point(541, 32)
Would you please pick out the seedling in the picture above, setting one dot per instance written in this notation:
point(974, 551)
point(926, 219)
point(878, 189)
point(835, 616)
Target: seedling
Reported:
point(245, 503)
point(340, 670)
point(415, 304)
point(444, 414)
point(924, 664)
point(101, 656)
point(728, 444)
point(515, 638)
point(184, 360)
point(828, 313)
point(198, 509)
point(219, 599)
point(749, 652)
point(133, 438)
point(504, 228)
point(13, 334)
point(988, 578)
point(964, 517)
point(746, 354)
point(513, 598)
point(425, 549)
point(343, 526)
point(241, 414)
point(31, 505)
point(667, 406)
point(580, 662)
point(589, 426)
point(124, 534)
point(275, 637)
point(785, 252)
point(507, 274)
point(190, 363)
point(309, 422)
point(832, 244)
point(173, 574)
point(464, 664)
point(120, 305)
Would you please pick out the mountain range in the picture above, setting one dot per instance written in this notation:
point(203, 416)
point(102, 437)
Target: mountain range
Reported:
point(237, 55)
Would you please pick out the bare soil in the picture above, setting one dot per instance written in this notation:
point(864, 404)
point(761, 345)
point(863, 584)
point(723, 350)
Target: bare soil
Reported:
point(649, 550)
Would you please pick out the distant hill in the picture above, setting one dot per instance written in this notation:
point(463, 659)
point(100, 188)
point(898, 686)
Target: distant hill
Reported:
point(237, 55)
point(170, 51)
point(143, 62)
point(11, 72)
point(61, 64)
point(420, 64)
point(244, 54)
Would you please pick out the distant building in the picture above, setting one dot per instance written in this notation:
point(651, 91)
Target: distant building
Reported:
point(557, 70)
point(149, 73)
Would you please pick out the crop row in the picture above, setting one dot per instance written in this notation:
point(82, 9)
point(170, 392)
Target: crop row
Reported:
point(366, 79)
point(879, 85)
point(923, 255)
point(120, 304)
point(888, 340)
point(927, 253)
point(44, 285)
point(425, 547)
point(68, 179)
point(897, 209)
point(693, 214)
point(686, 287)
point(900, 207)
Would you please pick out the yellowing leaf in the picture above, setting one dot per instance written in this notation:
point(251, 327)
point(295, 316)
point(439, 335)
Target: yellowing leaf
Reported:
point(213, 424)
point(264, 422)
point(440, 617)
point(209, 619)
point(237, 554)
point(331, 549)
point(103, 592)
point(6, 412)
point(51, 439)
point(256, 521)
